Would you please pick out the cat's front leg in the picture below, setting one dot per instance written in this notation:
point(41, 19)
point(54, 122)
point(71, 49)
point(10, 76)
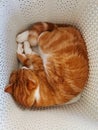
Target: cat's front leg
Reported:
point(24, 54)
point(33, 58)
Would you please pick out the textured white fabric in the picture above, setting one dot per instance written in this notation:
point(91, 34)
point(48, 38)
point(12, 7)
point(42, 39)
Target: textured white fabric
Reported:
point(15, 15)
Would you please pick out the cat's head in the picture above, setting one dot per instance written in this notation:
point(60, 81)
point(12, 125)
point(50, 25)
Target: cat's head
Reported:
point(22, 86)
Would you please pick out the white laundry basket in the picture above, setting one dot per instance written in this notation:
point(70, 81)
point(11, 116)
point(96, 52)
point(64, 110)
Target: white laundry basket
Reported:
point(16, 15)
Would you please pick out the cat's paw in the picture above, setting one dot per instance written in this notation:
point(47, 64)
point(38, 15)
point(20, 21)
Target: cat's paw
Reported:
point(22, 37)
point(20, 48)
point(27, 48)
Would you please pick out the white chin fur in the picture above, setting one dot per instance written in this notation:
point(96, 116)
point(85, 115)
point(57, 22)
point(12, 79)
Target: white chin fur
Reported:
point(37, 94)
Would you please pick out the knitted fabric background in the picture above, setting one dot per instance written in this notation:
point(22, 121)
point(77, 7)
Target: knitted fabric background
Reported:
point(16, 15)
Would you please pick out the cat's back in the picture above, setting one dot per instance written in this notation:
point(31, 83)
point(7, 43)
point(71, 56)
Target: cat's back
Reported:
point(60, 39)
point(64, 57)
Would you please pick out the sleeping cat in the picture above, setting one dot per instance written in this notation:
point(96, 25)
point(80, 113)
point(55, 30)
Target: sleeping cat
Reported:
point(57, 73)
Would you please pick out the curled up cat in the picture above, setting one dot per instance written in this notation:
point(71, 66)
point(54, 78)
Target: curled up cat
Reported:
point(55, 75)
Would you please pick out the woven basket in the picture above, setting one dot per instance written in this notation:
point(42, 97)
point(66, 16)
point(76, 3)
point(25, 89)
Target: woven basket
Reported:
point(16, 15)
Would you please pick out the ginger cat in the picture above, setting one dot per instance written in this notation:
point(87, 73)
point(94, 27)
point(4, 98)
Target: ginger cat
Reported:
point(54, 76)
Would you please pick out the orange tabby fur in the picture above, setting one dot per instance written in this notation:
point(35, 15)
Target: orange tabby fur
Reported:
point(54, 76)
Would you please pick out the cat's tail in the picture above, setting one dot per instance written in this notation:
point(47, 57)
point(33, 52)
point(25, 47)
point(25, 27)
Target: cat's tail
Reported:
point(40, 27)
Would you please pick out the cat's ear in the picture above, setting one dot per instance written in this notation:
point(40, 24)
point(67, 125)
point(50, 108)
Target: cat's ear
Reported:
point(8, 88)
point(31, 85)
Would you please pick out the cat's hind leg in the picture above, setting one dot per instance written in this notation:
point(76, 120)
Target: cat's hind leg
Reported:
point(32, 34)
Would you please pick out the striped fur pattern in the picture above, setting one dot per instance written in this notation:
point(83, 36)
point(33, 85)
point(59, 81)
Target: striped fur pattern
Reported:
point(54, 76)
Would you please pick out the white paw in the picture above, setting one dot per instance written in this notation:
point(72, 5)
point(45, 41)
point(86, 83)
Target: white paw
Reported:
point(27, 48)
point(22, 37)
point(20, 48)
